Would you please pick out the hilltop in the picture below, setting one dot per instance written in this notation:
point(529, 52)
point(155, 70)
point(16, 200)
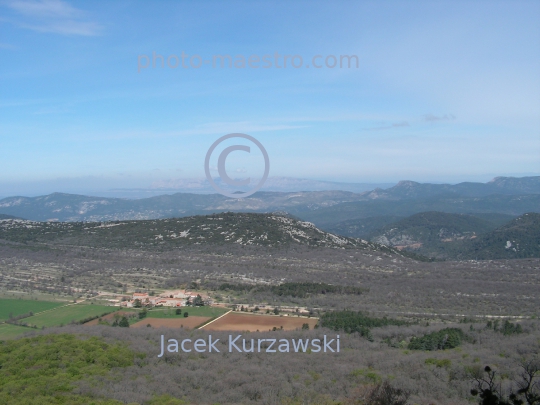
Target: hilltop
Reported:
point(270, 230)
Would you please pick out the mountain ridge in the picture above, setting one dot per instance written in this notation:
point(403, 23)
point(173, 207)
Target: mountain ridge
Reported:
point(264, 230)
point(321, 207)
point(407, 189)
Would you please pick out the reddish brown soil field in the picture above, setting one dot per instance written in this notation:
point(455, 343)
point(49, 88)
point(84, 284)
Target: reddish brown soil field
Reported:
point(235, 321)
point(108, 317)
point(190, 322)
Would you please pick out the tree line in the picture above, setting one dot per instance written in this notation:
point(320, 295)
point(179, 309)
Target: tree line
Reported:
point(351, 322)
point(295, 289)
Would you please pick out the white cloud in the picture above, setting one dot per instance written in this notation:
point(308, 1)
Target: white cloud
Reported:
point(53, 16)
point(43, 8)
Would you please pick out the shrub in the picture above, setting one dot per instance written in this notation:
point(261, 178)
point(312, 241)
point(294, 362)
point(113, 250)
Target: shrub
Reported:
point(447, 338)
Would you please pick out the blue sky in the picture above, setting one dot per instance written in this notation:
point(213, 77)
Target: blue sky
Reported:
point(443, 91)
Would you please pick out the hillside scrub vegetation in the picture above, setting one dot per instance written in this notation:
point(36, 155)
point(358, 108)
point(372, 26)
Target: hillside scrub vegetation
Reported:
point(389, 284)
point(44, 369)
point(359, 371)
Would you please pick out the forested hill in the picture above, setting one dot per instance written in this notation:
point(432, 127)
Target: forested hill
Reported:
point(432, 233)
point(458, 236)
point(219, 229)
point(518, 239)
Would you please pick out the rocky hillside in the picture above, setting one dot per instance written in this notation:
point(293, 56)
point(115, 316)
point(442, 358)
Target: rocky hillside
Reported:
point(219, 229)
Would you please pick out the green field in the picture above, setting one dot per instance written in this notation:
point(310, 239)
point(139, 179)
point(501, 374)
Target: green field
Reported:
point(8, 331)
point(67, 314)
point(210, 312)
point(35, 295)
point(19, 307)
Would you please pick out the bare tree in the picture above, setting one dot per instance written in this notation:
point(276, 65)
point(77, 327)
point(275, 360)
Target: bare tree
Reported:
point(529, 381)
point(385, 394)
point(528, 386)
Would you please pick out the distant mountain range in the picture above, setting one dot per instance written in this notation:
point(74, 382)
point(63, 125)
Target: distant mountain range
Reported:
point(3, 216)
point(327, 209)
point(499, 185)
point(280, 184)
point(93, 186)
point(69, 207)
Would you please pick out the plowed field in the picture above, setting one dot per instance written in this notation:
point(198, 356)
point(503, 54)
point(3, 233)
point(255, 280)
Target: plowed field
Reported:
point(235, 321)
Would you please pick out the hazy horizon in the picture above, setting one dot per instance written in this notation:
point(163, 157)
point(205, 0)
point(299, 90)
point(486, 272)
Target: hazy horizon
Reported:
point(202, 186)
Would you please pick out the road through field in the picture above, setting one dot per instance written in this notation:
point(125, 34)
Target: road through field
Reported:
point(219, 317)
